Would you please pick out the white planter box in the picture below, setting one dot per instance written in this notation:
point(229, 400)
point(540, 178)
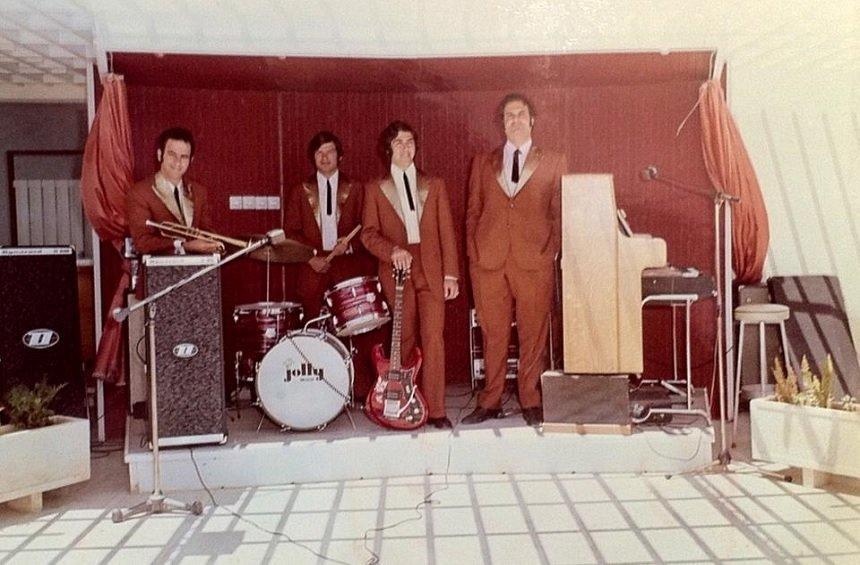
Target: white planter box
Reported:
point(817, 440)
point(42, 459)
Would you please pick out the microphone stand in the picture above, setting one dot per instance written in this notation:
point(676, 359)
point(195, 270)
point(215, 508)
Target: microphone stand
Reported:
point(722, 203)
point(157, 503)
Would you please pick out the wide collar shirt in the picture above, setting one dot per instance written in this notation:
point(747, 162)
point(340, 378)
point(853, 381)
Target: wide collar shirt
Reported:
point(410, 215)
point(328, 222)
point(508, 164)
point(165, 190)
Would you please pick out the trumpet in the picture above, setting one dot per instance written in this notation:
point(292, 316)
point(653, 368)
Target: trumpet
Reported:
point(170, 229)
point(286, 251)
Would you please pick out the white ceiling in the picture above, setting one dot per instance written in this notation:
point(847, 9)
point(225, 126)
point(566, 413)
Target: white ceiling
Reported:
point(46, 45)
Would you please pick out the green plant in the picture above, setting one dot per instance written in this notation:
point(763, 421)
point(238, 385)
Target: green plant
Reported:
point(806, 389)
point(29, 407)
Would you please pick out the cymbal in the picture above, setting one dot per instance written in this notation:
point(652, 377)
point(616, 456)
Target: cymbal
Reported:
point(287, 251)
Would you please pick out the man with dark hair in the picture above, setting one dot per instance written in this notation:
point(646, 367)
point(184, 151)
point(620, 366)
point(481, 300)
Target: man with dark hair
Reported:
point(321, 212)
point(167, 196)
point(513, 234)
point(408, 225)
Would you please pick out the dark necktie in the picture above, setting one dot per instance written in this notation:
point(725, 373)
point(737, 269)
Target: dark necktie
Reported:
point(408, 192)
point(328, 197)
point(515, 170)
point(179, 204)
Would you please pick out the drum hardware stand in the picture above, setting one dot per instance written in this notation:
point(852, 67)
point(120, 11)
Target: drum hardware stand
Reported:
point(157, 503)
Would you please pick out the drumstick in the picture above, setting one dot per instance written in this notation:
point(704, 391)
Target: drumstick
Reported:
point(347, 239)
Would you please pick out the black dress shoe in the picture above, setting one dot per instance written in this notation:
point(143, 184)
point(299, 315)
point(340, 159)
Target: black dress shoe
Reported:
point(442, 423)
point(479, 415)
point(532, 416)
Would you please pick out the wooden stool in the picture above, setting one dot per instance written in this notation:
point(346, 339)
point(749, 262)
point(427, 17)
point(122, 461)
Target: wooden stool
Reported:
point(760, 314)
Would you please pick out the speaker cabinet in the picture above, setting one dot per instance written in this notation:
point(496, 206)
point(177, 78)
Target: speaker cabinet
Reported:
point(189, 363)
point(40, 335)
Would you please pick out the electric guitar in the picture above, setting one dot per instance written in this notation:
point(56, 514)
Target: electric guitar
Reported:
point(395, 402)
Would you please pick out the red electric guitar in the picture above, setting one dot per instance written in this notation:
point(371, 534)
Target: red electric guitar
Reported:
point(395, 402)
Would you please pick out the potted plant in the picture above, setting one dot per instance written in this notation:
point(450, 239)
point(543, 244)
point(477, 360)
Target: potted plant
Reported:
point(801, 425)
point(39, 451)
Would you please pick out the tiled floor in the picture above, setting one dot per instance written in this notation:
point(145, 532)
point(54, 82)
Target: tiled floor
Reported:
point(459, 519)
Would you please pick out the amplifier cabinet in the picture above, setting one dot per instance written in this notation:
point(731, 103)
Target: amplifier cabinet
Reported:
point(40, 334)
point(586, 403)
point(476, 351)
point(189, 363)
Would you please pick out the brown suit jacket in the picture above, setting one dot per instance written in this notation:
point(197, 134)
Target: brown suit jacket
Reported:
point(527, 226)
point(384, 228)
point(143, 204)
point(301, 222)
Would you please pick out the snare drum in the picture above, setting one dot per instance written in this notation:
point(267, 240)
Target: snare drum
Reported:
point(303, 382)
point(357, 306)
point(259, 327)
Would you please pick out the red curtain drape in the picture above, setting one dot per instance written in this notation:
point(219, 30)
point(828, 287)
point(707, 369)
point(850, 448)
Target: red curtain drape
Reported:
point(106, 177)
point(730, 170)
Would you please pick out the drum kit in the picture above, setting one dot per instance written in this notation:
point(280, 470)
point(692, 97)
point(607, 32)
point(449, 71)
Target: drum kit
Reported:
point(300, 374)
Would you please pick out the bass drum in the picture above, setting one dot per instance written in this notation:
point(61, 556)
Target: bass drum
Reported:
point(303, 382)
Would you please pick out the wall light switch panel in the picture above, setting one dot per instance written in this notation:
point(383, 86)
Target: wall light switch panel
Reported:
point(274, 202)
point(235, 202)
point(260, 202)
point(248, 202)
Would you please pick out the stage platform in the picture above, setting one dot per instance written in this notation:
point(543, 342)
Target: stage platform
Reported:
point(269, 456)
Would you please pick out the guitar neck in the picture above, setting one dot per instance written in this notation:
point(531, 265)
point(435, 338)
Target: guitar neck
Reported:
point(396, 325)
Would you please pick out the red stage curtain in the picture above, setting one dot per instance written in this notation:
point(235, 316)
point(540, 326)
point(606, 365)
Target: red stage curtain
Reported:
point(105, 178)
point(730, 170)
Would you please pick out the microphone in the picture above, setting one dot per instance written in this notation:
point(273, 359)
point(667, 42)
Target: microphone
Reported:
point(649, 173)
point(276, 236)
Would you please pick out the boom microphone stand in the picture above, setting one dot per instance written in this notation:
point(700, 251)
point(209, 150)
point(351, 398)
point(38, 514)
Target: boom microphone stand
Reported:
point(157, 503)
point(722, 203)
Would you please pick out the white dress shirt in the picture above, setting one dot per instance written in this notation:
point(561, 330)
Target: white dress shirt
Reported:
point(328, 222)
point(413, 234)
point(508, 164)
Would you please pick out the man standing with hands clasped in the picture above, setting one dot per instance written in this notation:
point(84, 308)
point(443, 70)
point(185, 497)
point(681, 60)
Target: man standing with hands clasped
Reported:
point(407, 225)
point(513, 235)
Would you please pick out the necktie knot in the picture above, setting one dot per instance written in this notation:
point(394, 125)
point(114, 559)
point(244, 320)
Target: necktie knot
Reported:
point(408, 192)
point(515, 170)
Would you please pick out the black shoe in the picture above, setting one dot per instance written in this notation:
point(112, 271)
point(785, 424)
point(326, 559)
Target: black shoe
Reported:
point(479, 415)
point(533, 416)
point(442, 423)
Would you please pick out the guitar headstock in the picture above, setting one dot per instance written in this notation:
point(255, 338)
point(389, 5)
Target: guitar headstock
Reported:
point(400, 276)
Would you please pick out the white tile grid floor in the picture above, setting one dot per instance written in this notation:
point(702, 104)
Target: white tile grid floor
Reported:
point(735, 517)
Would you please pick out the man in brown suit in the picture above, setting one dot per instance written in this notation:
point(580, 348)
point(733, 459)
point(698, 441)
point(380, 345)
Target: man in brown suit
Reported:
point(320, 212)
point(513, 234)
point(167, 196)
point(407, 225)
